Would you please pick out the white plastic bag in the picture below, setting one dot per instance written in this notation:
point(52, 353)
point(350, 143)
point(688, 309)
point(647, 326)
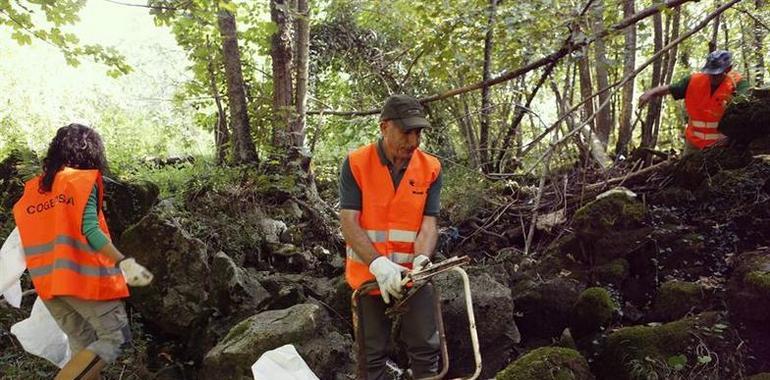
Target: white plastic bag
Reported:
point(282, 363)
point(40, 335)
point(12, 265)
point(13, 294)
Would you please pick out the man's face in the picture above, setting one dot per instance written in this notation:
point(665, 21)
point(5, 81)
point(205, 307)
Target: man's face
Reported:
point(398, 143)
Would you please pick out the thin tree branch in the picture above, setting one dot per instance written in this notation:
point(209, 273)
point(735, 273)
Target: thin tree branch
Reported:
point(758, 21)
point(568, 47)
point(159, 7)
point(620, 83)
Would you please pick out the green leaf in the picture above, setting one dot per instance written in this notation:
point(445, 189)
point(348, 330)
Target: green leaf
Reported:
point(704, 359)
point(677, 362)
point(21, 38)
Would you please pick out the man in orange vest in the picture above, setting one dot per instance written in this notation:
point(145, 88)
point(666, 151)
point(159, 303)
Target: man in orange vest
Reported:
point(76, 271)
point(705, 97)
point(389, 200)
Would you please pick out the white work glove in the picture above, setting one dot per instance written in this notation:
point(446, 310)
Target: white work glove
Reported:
point(135, 274)
point(420, 262)
point(388, 275)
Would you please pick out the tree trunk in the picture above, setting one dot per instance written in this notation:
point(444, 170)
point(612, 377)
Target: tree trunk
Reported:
point(303, 48)
point(239, 118)
point(484, 153)
point(586, 88)
point(649, 134)
point(604, 116)
point(626, 110)
point(676, 22)
point(281, 53)
point(759, 47)
point(221, 134)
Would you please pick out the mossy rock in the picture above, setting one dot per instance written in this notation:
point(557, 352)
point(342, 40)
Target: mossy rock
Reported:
point(677, 298)
point(615, 212)
point(759, 281)
point(556, 363)
point(306, 326)
point(693, 169)
point(634, 352)
point(672, 196)
point(613, 272)
point(592, 312)
point(746, 117)
point(612, 245)
point(748, 301)
point(544, 308)
point(749, 288)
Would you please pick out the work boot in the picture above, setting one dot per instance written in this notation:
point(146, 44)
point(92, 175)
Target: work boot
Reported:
point(85, 365)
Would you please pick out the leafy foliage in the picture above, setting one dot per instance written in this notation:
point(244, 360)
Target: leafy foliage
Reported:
point(25, 24)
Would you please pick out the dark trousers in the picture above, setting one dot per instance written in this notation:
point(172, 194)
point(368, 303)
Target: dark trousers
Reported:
point(418, 332)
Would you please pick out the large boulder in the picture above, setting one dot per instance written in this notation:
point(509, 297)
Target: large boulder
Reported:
point(676, 298)
point(548, 363)
point(690, 345)
point(617, 211)
point(495, 325)
point(691, 170)
point(236, 289)
point(177, 300)
point(306, 326)
point(748, 300)
point(747, 117)
point(544, 308)
point(127, 202)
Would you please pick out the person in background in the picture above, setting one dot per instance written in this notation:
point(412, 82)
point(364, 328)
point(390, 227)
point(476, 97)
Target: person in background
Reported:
point(76, 270)
point(389, 200)
point(706, 94)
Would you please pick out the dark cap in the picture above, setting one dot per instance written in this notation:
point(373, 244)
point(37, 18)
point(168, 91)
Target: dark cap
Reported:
point(405, 111)
point(717, 62)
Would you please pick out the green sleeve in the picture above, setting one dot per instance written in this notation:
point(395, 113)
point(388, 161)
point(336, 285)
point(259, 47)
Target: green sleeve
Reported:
point(432, 204)
point(679, 88)
point(350, 192)
point(96, 238)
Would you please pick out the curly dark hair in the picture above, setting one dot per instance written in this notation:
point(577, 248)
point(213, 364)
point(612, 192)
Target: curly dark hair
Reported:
point(75, 146)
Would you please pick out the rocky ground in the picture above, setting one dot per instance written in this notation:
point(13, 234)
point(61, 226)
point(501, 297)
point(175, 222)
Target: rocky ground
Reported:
point(670, 280)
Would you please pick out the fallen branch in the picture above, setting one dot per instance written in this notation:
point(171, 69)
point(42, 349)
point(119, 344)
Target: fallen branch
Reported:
point(627, 177)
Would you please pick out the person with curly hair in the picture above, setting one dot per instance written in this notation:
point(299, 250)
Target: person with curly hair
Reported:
point(76, 270)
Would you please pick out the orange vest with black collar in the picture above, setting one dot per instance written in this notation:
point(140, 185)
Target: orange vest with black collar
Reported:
point(391, 218)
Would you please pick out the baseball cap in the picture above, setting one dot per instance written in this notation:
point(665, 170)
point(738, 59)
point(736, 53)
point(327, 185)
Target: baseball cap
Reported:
point(717, 62)
point(405, 111)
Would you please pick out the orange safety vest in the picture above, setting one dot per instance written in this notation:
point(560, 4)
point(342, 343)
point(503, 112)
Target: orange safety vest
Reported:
point(706, 109)
point(59, 258)
point(390, 218)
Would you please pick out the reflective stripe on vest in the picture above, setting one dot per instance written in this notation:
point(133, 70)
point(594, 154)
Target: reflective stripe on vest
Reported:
point(390, 217)
point(401, 258)
point(379, 236)
point(705, 124)
point(61, 239)
point(705, 108)
point(707, 136)
point(57, 253)
point(85, 270)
